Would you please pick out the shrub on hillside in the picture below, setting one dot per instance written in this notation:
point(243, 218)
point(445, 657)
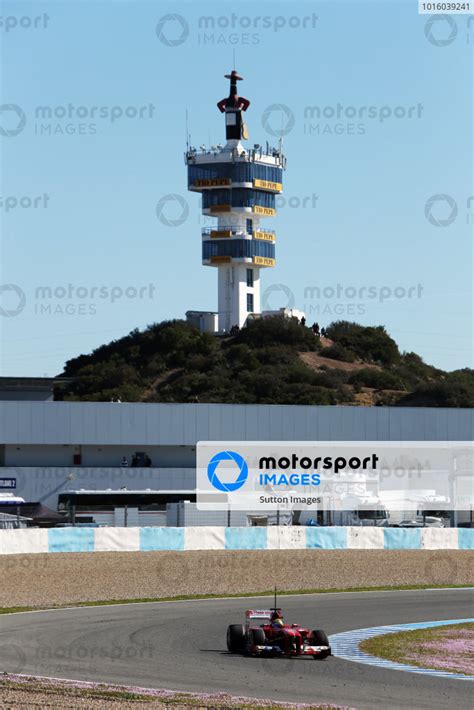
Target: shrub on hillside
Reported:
point(371, 344)
point(278, 331)
point(338, 352)
point(377, 379)
point(440, 394)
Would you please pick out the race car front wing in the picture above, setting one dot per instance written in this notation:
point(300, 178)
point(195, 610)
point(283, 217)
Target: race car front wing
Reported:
point(305, 650)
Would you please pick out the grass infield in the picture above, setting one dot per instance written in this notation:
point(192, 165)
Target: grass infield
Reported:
point(445, 648)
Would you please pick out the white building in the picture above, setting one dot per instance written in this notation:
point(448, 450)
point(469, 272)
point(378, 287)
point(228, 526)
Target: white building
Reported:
point(48, 448)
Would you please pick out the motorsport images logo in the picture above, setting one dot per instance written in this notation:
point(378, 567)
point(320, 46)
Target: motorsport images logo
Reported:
point(226, 477)
point(334, 475)
point(12, 120)
point(239, 462)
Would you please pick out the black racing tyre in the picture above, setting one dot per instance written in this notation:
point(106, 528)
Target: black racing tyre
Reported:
point(235, 638)
point(258, 637)
point(319, 638)
point(322, 656)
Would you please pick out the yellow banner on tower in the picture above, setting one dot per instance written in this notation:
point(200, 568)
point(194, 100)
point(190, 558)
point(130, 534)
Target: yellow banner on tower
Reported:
point(216, 182)
point(264, 211)
point(219, 208)
point(267, 185)
point(220, 259)
point(264, 236)
point(220, 234)
point(263, 261)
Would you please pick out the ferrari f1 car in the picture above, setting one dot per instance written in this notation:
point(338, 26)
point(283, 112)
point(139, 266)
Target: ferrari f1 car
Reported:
point(266, 634)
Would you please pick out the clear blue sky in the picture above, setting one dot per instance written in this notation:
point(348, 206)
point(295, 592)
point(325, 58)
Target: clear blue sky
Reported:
point(356, 188)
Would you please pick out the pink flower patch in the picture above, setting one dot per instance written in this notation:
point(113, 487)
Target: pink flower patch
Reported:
point(452, 650)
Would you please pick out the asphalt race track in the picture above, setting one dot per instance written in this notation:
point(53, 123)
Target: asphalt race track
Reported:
point(181, 645)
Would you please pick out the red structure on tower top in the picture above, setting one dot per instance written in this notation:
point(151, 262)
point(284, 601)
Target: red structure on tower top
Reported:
point(233, 101)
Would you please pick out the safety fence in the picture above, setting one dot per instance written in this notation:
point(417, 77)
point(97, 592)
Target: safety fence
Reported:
point(109, 539)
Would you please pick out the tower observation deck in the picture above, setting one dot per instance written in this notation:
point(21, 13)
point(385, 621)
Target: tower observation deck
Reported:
point(238, 187)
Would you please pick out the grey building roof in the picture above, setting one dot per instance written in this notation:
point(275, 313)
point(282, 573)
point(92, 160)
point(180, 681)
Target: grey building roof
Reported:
point(98, 423)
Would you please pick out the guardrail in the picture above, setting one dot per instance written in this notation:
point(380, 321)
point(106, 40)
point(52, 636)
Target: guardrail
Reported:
point(109, 539)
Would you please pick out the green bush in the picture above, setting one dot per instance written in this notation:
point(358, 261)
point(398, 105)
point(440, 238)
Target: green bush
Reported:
point(338, 352)
point(278, 331)
point(377, 379)
point(330, 378)
point(440, 394)
point(370, 344)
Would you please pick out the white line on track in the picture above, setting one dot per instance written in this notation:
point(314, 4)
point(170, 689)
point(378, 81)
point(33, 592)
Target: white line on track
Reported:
point(92, 605)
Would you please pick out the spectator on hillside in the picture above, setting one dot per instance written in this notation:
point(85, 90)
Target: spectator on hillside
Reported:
point(323, 332)
point(315, 328)
point(303, 321)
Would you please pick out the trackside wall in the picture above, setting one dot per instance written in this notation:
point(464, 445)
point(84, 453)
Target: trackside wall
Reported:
point(220, 538)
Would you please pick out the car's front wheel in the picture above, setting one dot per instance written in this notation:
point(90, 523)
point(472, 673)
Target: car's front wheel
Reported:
point(319, 638)
point(258, 637)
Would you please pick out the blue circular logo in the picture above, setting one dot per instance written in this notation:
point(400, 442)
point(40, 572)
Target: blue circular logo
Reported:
point(227, 456)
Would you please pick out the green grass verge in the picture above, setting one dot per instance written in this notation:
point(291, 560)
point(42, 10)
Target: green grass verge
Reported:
point(407, 647)
point(236, 595)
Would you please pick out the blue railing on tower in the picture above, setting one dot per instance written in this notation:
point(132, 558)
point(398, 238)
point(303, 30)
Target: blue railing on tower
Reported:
point(238, 197)
point(235, 172)
point(206, 231)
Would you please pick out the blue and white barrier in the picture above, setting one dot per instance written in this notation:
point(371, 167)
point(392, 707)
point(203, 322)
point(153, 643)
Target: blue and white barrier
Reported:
point(109, 539)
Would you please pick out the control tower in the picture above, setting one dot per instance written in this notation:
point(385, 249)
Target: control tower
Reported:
point(238, 186)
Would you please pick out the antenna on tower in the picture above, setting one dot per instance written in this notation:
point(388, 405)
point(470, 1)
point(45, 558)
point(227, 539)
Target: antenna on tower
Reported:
point(188, 138)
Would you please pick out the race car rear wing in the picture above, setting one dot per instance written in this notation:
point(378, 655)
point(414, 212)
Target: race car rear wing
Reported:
point(258, 614)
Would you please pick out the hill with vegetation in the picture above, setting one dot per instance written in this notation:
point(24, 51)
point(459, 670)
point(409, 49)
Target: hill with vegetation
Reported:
point(272, 361)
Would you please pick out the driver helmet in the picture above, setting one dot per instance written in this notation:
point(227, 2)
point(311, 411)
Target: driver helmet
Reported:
point(278, 622)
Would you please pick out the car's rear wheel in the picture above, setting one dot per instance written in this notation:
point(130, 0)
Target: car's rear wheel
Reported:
point(235, 638)
point(319, 638)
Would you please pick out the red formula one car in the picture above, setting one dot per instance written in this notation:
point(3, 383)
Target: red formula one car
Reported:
point(266, 634)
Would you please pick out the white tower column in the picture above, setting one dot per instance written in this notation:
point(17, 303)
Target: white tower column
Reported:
point(238, 294)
